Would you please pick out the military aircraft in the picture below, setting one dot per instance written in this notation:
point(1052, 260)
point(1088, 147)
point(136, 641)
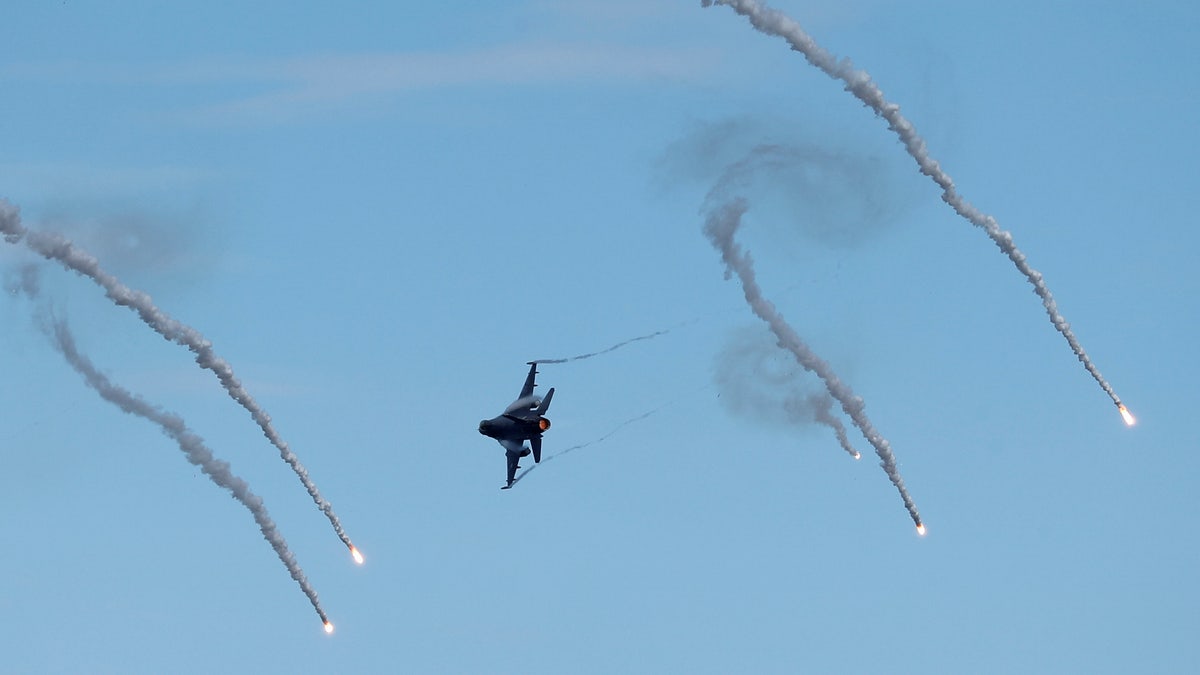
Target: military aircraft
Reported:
point(521, 421)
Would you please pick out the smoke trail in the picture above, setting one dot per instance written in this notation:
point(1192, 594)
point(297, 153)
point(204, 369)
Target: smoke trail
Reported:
point(58, 248)
point(604, 351)
point(821, 406)
point(25, 281)
point(756, 385)
point(721, 224)
point(859, 83)
point(573, 448)
point(193, 446)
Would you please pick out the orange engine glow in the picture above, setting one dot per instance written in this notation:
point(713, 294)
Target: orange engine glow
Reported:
point(543, 424)
point(1126, 415)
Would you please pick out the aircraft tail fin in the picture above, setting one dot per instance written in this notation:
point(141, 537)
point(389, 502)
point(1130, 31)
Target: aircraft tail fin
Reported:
point(536, 444)
point(545, 405)
point(527, 390)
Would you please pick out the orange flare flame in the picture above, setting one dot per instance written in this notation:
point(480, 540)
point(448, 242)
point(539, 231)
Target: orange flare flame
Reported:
point(1126, 415)
point(921, 529)
point(358, 557)
point(857, 455)
point(328, 627)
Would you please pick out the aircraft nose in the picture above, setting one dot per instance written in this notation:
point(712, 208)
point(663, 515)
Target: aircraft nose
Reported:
point(482, 426)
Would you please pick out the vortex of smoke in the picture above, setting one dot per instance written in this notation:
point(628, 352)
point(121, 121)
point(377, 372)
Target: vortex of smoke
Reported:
point(859, 83)
point(58, 248)
point(720, 225)
point(821, 406)
point(192, 445)
point(755, 384)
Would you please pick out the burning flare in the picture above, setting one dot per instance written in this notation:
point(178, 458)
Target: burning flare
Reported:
point(328, 627)
point(358, 557)
point(860, 85)
point(921, 529)
point(721, 224)
point(1126, 415)
point(56, 247)
point(194, 447)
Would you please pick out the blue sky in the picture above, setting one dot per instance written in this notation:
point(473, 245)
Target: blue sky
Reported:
point(379, 214)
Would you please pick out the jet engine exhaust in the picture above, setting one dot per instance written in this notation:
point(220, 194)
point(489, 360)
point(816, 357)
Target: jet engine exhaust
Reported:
point(580, 446)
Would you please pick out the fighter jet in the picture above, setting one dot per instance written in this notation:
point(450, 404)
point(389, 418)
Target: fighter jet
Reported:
point(521, 421)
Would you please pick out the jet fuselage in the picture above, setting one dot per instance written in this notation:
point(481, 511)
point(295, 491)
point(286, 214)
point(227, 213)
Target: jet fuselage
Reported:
point(522, 421)
point(505, 428)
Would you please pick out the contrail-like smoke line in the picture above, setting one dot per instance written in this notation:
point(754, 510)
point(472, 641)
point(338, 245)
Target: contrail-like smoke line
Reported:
point(193, 446)
point(58, 248)
point(603, 438)
point(859, 83)
point(604, 351)
point(721, 224)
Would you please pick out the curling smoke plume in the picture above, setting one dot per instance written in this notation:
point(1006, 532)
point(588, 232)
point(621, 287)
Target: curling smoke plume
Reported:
point(822, 405)
point(603, 351)
point(859, 83)
point(721, 224)
point(755, 384)
point(192, 445)
point(58, 248)
point(25, 281)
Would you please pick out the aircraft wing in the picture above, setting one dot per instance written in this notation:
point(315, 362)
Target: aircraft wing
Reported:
point(526, 402)
point(527, 390)
point(512, 452)
point(513, 446)
point(512, 468)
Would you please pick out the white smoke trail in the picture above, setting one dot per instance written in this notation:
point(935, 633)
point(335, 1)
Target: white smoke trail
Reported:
point(58, 248)
point(604, 351)
point(192, 445)
point(721, 224)
point(859, 83)
point(755, 385)
point(821, 406)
